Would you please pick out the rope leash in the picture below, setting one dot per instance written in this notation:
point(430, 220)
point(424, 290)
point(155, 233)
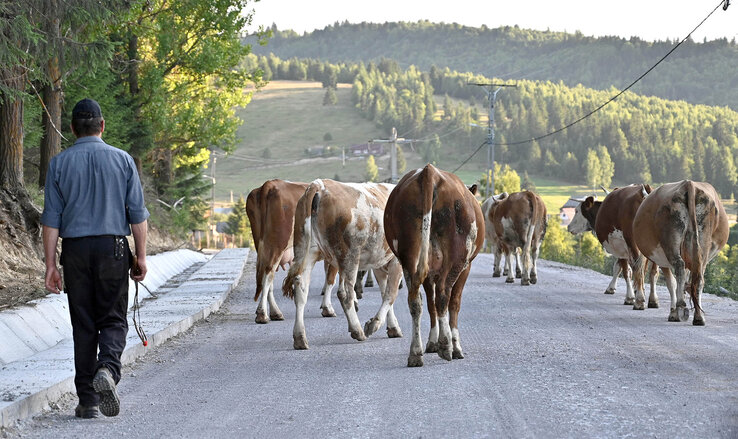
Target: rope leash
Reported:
point(137, 306)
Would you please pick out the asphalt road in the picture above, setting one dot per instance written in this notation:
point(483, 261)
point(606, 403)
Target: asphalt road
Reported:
point(554, 360)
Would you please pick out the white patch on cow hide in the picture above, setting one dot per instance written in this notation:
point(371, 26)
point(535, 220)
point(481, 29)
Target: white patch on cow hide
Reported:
point(615, 245)
point(424, 241)
point(418, 171)
point(471, 240)
point(394, 245)
point(659, 257)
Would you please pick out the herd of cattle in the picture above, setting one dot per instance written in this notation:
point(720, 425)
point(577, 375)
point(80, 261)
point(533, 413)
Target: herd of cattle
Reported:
point(430, 226)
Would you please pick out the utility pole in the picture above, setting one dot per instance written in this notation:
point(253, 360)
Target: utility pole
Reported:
point(491, 98)
point(393, 141)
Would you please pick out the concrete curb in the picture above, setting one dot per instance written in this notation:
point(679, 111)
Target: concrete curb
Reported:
point(30, 385)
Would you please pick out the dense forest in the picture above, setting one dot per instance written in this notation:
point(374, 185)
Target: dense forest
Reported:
point(641, 139)
point(698, 72)
point(164, 74)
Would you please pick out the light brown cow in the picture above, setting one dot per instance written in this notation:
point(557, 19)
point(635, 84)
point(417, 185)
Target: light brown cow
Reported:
point(271, 212)
point(343, 221)
point(491, 235)
point(435, 226)
point(682, 226)
point(520, 222)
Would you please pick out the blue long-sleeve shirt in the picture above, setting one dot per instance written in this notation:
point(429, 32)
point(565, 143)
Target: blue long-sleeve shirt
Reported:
point(93, 189)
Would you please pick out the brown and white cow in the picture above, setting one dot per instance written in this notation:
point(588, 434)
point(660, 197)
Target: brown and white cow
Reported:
point(343, 221)
point(520, 222)
point(681, 226)
point(614, 230)
point(271, 212)
point(435, 226)
point(584, 220)
point(491, 235)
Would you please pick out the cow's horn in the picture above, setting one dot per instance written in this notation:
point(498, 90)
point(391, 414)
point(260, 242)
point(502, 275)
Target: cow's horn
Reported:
point(606, 191)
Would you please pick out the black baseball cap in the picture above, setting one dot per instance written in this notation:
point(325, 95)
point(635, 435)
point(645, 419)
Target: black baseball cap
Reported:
point(86, 109)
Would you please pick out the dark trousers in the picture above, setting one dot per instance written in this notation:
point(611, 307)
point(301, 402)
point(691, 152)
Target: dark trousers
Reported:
point(96, 283)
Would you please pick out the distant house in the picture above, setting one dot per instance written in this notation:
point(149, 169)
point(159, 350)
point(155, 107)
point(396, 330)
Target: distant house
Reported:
point(315, 151)
point(567, 211)
point(365, 149)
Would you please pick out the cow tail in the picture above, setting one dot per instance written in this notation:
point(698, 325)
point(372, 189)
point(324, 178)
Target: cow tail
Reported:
point(427, 190)
point(303, 236)
point(696, 275)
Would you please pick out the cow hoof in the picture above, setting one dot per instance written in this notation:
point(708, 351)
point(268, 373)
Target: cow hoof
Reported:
point(683, 313)
point(359, 294)
point(509, 280)
point(371, 326)
point(518, 275)
point(629, 301)
point(639, 306)
point(276, 317)
point(504, 272)
point(534, 279)
point(394, 332)
point(653, 304)
point(698, 321)
point(300, 343)
point(358, 335)
point(496, 274)
point(673, 316)
point(458, 355)
point(445, 354)
point(415, 361)
point(525, 282)
point(262, 318)
point(327, 312)
point(610, 291)
point(431, 347)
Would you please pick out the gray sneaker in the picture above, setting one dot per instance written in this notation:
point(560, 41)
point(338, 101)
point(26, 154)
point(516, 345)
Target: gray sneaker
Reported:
point(104, 384)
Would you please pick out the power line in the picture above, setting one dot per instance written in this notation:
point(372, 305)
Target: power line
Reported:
point(723, 3)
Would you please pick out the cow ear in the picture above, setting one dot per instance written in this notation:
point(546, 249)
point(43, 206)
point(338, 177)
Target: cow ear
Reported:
point(589, 202)
point(473, 189)
point(647, 188)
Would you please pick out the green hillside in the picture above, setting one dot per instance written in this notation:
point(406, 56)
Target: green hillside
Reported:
point(698, 72)
point(288, 117)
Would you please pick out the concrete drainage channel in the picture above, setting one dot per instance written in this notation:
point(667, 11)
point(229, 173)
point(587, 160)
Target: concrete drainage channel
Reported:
point(36, 349)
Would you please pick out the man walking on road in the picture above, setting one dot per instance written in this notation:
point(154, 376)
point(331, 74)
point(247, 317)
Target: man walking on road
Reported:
point(93, 200)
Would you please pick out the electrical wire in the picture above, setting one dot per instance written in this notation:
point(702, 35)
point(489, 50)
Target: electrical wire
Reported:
point(723, 3)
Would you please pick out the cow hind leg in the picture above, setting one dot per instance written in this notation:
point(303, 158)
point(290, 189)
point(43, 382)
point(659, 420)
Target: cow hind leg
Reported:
point(347, 297)
point(445, 347)
point(629, 294)
point(653, 298)
point(326, 305)
point(301, 285)
point(267, 284)
point(453, 311)
point(518, 271)
point(533, 267)
point(680, 312)
point(274, 311)
point(508, 267)
point(374, 323)
point(616, 269)
point(698, 283)
point(430, 294)
point(415, 303)
point(496, 263)
point(639, 266)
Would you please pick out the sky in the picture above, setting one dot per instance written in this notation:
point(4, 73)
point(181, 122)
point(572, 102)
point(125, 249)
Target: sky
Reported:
point(648, 19)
